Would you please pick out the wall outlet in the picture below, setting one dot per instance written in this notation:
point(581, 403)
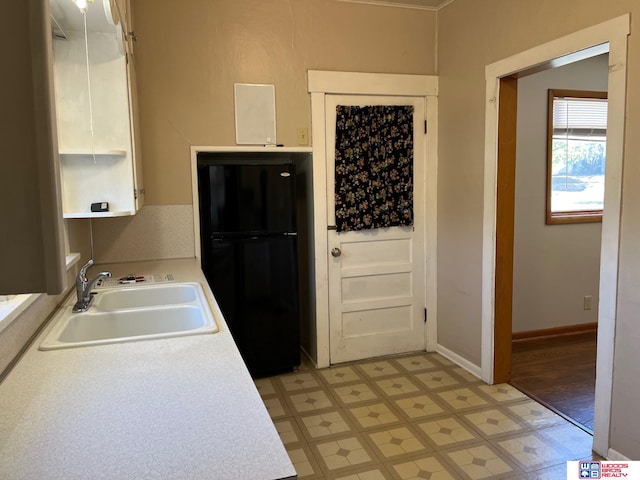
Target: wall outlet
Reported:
point(587, 302)
point(303, 136)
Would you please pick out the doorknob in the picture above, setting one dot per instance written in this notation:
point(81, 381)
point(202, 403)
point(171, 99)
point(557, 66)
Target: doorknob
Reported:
point(336, 252)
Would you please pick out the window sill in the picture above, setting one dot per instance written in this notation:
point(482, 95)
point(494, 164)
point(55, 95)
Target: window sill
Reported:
point(11, 309)
point(557, 218)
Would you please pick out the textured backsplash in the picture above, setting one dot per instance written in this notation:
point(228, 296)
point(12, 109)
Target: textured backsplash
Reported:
point(155, 232)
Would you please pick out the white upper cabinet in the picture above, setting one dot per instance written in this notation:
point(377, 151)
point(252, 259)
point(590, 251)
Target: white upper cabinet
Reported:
point(96, 110)
point(32, 242)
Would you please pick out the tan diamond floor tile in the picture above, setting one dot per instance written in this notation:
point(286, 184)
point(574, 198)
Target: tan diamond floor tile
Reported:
point(535, 415)
point(323, 425)
point(557, 472)
point(416, 363)
point(343, 454)
point(480, 462)
point(378, 473)
point(288, 431)
point(437, 379)
point(462, 399)
point(444, 361)
point(419, 406)
point(378, 369)
point(336, 375)
point(429, 467)
point(502, 392)
point(298, 381)
point(371, 416)
point(276, 407)
point(478, 431)
point(395, 386)
point(466, 375)
point(310, 401)
point(531, 453)
point(354, 394)
point(575, 441)
point(493, 422)
point(305, 463)
point(395, 442)
point(265, 387)
point(448, 432)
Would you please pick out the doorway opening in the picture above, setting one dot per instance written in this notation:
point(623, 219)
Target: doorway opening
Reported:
point(497, 290)
point(560, 162)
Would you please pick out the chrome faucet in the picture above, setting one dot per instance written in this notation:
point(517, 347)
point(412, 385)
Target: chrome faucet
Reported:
point(84, 287)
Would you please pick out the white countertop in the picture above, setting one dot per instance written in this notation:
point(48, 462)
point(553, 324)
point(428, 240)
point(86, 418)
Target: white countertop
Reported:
point(179, 408)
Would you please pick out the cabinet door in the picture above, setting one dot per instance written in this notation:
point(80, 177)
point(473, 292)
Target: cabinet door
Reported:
point(32, 244)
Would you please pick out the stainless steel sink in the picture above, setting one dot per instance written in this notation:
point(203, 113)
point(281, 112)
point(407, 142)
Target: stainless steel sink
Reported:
point(134, 313)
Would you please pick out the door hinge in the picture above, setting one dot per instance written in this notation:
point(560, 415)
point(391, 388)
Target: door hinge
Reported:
point(425, 314)
point(425, 126)
point(137, 193)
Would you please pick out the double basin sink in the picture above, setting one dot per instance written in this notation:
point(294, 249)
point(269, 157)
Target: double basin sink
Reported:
point(134, 313)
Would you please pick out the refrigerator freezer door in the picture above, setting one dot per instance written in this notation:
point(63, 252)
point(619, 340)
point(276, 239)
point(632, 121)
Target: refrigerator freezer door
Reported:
point(255, 281)
point(247, 198)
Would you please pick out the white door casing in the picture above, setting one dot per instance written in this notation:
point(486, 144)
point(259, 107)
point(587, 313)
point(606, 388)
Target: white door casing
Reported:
point(614, 32)
point(376, 281)
point(321, 84)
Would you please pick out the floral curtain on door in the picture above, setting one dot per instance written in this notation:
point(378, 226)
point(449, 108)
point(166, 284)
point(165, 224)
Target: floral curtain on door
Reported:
point(374, 167)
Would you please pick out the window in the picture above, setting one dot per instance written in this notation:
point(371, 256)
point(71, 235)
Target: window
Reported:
point(577, 137)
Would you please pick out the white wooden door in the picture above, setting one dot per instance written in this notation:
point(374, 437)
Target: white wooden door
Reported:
point(377, 277)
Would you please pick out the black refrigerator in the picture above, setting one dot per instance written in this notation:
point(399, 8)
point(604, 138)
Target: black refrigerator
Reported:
point(249, 250)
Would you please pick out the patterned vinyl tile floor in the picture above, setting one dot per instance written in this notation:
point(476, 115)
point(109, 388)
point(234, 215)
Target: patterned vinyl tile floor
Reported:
point(416, 417)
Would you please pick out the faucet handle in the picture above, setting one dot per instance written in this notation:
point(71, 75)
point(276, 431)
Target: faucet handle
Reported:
point(83, 270)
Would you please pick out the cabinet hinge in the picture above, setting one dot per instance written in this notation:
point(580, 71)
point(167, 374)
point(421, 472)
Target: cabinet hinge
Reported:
point(425, 314)
point(425, 126)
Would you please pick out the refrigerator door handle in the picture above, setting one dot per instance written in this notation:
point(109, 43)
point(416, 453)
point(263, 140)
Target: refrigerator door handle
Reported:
point(291, 234)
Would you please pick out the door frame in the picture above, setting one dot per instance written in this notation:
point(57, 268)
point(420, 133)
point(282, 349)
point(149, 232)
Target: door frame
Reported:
point(564, 50)
point(320, 84)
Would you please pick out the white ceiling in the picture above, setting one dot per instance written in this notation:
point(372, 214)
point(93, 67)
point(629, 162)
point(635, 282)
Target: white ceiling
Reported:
point(418, 4)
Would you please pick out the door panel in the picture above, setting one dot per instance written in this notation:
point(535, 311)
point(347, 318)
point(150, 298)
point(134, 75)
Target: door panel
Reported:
point(377, 277)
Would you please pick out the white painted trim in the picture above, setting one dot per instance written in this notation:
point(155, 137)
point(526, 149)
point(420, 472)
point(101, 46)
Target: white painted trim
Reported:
point(320, 223)
point(610, 250)
point(195, 199)
point(194, 176)
point(400, 5)
point(614, 32)
point(320, 84)
point(352, 83)
point(589, 37)
point(458, 360)
point(431, 223)
point(616, 456)
point(249, 149)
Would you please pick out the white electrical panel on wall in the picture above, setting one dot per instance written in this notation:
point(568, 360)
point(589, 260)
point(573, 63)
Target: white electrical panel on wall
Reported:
point(255, 114)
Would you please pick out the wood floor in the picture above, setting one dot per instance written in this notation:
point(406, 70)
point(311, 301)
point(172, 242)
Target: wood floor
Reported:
point(559, 372)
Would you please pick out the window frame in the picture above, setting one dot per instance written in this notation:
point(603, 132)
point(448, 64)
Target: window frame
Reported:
point(578, 216)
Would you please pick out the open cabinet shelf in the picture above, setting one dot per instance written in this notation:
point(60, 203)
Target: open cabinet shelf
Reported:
point(123, 213)
point(97, 153)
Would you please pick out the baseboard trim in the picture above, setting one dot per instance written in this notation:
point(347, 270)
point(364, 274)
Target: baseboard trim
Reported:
point(552, 332)
point(616, 456)
point(460, 361)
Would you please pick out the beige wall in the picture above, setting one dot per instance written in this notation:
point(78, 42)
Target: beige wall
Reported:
point(191, 52)
point(472, 34)
point(554, 266)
